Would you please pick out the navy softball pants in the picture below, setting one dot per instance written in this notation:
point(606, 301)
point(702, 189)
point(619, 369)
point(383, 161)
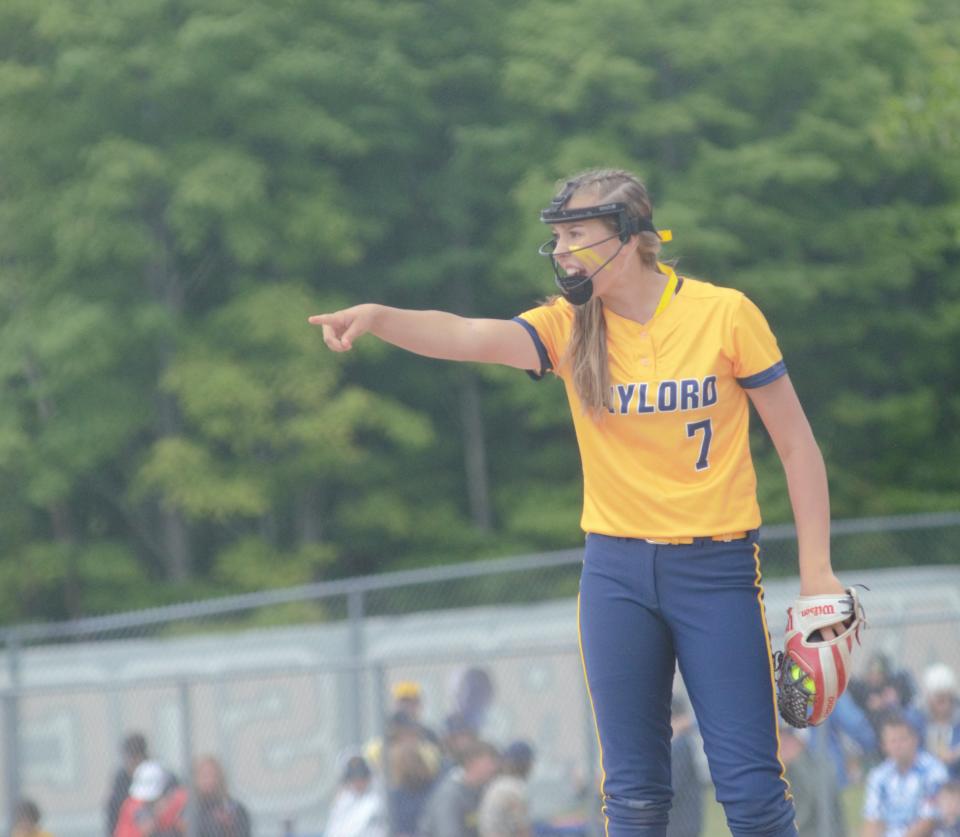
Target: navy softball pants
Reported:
point(644, 607)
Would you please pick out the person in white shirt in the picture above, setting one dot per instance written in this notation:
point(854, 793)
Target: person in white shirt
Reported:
point(899, 800)
point(357, 809)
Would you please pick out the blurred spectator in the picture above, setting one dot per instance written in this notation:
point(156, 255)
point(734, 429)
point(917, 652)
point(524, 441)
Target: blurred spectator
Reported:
point(451, 810)
point(408, 699)
point(472, 696)
point(505, 806)
point(26, 820)
point(155, 806)
point(948, 810)
point(881, 692)
point(686, 812)
point(412, 768)
point(941, 717)
point(218, 814)
point(810, 776)
point(459, 737)
point(133, 751)
point(900, 793)
point(407, 708)
point(847, 738)
point(357, 810)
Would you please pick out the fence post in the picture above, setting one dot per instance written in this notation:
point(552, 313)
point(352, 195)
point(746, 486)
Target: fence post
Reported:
point(186, 754)
point(357, 653)
point(379, 678)
point(11, 721)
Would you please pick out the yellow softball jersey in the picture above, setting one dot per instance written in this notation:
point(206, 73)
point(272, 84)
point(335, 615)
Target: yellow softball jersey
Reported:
point(672, 457)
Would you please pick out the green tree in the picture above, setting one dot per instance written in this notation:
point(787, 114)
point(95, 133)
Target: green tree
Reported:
point(183, 181)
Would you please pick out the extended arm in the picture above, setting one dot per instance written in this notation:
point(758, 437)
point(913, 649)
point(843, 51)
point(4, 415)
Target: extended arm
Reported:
point(782, 415)
point(436, 334)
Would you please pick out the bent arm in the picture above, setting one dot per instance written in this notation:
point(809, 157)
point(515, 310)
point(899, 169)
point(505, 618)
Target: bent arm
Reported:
point(436, 334)
point(782, 415)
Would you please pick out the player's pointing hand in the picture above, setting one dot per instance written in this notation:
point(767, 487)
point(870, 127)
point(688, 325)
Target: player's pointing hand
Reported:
point(341, 328)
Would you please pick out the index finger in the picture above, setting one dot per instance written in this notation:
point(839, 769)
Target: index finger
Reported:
point(321, 319)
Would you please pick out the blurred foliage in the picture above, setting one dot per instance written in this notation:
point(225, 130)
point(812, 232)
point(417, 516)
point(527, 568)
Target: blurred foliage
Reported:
point(183, 181)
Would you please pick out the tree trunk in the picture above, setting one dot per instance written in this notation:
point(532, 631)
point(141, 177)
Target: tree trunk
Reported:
point(65, 532)
point(62, 522)
point(165, 287)
point(309, 526)
point(475, 451)
point(471, 420)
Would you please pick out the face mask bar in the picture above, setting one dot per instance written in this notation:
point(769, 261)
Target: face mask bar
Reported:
point(577, 288)
point(627, 225)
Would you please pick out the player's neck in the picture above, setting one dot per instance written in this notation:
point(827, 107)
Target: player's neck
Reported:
point(637, 295)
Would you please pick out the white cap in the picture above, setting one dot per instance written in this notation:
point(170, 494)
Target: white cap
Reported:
point(939, 678)
point(149, 781)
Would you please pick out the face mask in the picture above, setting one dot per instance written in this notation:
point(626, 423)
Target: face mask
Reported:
point(576, 288)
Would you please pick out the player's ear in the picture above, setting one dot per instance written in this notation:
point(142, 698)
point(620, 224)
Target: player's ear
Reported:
point(632, 246)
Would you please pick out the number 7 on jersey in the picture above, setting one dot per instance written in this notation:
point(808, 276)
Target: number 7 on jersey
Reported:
point(695, 427)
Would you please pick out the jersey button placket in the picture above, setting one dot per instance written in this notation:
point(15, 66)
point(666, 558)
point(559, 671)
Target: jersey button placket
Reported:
point(645, 355)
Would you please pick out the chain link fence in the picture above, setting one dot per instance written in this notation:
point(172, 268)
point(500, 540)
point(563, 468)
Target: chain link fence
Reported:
point(280, 685)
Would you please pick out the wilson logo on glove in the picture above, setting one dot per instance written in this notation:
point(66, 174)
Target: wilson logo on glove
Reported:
point(819, 610)
point(814, 672)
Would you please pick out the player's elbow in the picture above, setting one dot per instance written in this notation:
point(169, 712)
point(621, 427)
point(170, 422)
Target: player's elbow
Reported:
point(800, 447)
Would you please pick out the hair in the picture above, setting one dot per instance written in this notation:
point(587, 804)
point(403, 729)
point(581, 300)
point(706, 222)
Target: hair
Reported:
point(517, 759)
point(135, 746)
point(27, 811)
point(897, 719)
point(356, 768)
point(587, 351)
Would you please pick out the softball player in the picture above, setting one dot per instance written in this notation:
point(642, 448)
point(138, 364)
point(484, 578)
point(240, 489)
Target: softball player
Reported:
point(658, 369)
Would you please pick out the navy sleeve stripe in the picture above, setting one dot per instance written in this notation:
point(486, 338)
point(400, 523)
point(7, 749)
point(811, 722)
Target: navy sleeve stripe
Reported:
point(541, 350)
point(761, 379)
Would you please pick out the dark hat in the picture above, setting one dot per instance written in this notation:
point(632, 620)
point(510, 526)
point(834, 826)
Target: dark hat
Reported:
point(356, 768)
point(518, 752)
